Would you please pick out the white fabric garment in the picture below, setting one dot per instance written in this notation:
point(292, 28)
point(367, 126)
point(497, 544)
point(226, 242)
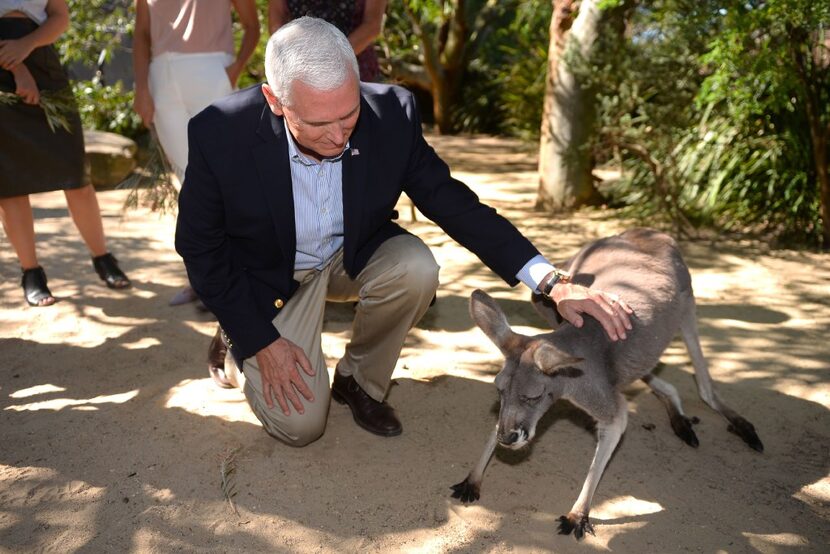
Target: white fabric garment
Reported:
point(182, 85)
point(35, 9)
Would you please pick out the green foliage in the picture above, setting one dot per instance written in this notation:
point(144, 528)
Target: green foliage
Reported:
point(397, 35)
point(107, 108)
point(255, 70)
point(152, 185)
point(96, 30)
point(702, 102)
point(57, 106)
point(645, 82)
point(519, 70)
point(770, 77)
point(502, 87)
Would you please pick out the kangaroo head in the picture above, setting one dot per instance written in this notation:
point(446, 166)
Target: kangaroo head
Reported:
point(532, 377)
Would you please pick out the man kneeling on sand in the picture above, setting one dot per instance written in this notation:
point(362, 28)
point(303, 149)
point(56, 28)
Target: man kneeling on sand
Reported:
point(288, 202)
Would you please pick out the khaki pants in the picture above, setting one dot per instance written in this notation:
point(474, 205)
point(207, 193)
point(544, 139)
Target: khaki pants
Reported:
point(392, 293)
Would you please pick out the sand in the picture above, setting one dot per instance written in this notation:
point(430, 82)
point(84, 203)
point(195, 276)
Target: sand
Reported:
point(113, 436)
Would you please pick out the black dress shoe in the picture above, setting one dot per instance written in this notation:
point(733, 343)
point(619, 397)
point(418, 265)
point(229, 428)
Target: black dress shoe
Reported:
point(216, 360)
point(376, 417)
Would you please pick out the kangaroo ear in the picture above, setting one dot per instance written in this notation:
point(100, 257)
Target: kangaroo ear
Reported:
point(491, 319)
point(552, 361)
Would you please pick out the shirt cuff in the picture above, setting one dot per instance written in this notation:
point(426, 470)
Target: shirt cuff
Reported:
point(534, 271)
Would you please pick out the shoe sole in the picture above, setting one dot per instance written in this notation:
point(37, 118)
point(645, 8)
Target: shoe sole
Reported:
point(340, 400)
point(219, 378)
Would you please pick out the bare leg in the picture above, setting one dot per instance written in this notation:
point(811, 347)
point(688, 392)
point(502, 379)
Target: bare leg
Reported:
point(19, 225)
point(83, 206)
point(18, 221)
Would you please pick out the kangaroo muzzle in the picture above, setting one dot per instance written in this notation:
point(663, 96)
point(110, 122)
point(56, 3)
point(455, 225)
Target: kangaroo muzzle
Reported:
point(514, 439)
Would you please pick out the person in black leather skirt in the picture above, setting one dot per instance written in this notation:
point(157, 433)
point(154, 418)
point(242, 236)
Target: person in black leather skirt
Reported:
point(35, 158)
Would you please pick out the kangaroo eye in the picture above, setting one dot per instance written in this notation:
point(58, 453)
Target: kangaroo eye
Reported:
point(530, 399)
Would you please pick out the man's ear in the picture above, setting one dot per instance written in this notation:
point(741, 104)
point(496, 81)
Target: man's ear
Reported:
point(273, 101)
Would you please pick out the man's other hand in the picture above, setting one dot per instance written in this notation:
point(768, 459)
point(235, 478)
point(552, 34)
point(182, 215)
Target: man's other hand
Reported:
point(281, 380)
point(609, 309)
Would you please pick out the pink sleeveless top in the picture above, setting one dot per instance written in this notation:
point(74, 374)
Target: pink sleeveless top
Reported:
point(190, 26)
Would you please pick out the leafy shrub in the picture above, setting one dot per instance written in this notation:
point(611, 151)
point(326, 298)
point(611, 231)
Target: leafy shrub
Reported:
point(710, 123)
point(108, 108)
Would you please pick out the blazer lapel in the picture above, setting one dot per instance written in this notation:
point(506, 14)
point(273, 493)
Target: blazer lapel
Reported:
point(271, 159)
point(355, 177)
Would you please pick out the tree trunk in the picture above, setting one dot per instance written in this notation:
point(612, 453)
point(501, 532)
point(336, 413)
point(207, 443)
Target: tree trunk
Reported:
point(819, 129)
point(445, 92)
point(820, 155)
point(821, 59)
point(565, 165)
point(445, 53)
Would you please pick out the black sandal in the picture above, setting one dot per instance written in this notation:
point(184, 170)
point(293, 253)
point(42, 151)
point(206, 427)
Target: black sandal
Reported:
point(34, 287)
point(106, 266)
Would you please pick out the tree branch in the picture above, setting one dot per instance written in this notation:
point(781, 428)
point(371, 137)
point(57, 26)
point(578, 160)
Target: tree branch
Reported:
point(430, 56)
point(409, 74)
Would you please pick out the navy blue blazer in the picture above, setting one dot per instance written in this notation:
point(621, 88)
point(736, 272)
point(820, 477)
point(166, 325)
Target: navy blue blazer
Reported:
point(236, 230)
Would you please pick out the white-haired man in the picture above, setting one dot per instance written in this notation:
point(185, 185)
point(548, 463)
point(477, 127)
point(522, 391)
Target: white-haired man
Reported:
point(288, 201)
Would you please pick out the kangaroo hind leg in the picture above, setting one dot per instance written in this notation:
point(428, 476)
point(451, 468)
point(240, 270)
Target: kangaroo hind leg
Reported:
point(680, 424)
point(737, 424)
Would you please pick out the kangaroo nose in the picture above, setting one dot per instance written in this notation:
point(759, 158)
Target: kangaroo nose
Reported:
point(511, 438)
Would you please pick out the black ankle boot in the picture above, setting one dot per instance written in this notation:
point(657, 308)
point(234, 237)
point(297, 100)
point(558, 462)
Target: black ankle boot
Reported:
point(34, 287)
point(106, 266)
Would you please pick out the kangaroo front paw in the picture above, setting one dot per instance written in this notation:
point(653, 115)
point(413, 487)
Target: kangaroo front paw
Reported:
point(466, 491)
point(578, 524)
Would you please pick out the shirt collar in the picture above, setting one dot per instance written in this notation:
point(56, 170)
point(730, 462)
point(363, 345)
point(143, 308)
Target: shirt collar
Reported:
point(295, 155)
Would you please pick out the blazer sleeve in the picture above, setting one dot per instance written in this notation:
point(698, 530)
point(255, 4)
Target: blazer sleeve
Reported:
point(203, 244)
point(457, 209)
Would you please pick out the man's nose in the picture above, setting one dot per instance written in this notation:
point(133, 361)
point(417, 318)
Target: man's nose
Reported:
point(337, 133)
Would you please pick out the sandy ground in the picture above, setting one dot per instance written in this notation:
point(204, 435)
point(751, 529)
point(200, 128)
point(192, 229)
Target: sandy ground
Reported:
point(113, 436)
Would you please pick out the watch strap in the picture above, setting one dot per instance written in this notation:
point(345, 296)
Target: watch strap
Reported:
point(554, 277)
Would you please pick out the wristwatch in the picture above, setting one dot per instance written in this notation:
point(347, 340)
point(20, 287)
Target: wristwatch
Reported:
point(555, 276)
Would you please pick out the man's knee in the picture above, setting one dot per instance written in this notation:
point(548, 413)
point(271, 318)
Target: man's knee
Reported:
point(419, 271)
point(295, 429)
point(295, 437)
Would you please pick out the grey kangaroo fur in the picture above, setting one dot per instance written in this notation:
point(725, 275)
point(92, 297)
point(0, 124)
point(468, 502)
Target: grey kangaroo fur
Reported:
point(582, 365)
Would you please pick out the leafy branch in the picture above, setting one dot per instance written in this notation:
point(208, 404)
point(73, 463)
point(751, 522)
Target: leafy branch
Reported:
point(227, 471)
point(57, 105)
point(152, 186)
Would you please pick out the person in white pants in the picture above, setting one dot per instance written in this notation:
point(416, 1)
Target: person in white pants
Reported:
point(183, 60)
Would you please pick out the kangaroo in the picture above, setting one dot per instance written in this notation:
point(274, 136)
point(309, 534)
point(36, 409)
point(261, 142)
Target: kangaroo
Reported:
point(583, 366)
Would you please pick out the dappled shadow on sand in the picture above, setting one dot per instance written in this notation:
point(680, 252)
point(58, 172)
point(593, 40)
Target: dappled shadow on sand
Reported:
point(113, 420)
point(92, 429)
point(113, 435)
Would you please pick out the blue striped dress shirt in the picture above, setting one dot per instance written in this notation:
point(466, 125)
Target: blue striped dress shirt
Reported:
point(318, 206)
point(318, 214)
